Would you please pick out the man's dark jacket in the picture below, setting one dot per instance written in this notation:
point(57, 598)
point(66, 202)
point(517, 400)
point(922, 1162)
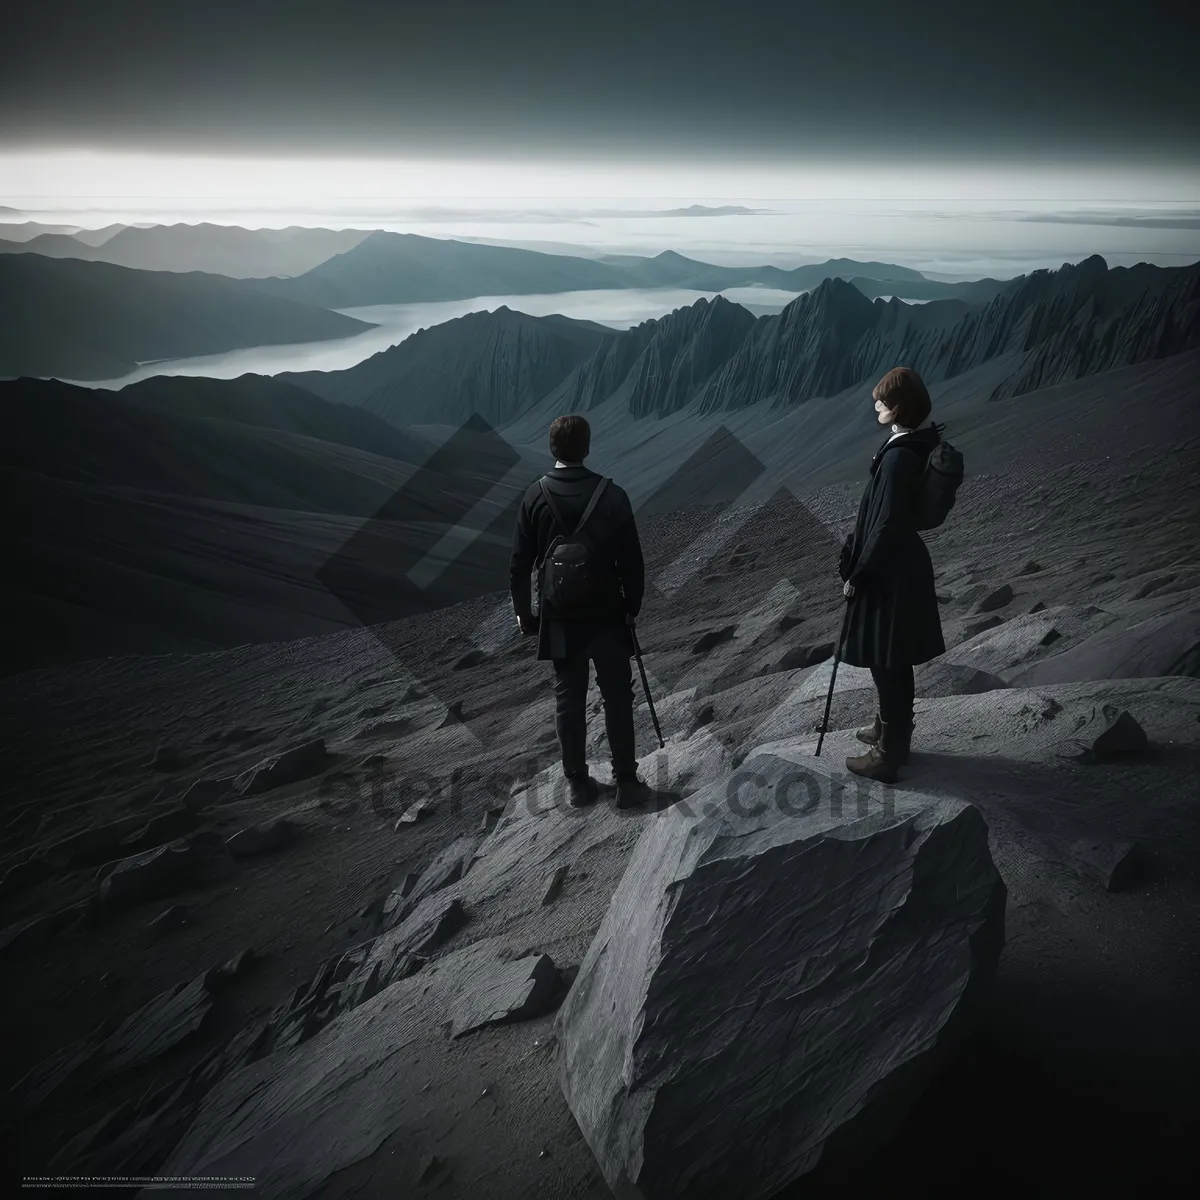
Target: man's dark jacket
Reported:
point(611, 529)
point(893, 619)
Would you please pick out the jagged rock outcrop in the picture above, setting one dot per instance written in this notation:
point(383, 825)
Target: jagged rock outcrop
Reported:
point(1088, 318)
point(687, 346)
point(1049, 326)
point(806, 351)
point(701, 1061)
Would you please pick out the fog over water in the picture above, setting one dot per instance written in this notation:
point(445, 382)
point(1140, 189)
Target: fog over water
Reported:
point(617, 308)
point(951, 222)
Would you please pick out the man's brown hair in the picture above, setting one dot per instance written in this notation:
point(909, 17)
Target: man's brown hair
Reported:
point(904, 394)
point(570, 438)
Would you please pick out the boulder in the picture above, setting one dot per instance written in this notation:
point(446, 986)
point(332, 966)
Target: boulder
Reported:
point(394, 955)
point(300, 762)
point(263, 838)
point(1032, 567)
point(1108, 733)
point(1113, 863)
point(415, 812)
point(1149, 649)
point(713, 638)
point(1008, 647)
point(454, 715)
point(995, 599)
point(449, 865)
point(776, 976)
point(505, 991)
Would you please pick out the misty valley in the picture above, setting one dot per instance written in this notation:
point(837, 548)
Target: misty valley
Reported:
point(330, 868)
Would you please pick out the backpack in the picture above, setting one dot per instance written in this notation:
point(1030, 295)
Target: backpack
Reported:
point(572, 579)
point(939, 485)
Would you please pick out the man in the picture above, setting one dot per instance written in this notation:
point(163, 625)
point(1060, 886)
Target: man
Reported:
point(599, 631)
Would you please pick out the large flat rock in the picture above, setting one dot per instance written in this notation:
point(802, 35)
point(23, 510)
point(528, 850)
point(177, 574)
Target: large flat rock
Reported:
point(776, 973)
point(1167, 644)
point(293, 1118)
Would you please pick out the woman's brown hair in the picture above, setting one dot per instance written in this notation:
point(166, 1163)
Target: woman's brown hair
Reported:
point(903, 393)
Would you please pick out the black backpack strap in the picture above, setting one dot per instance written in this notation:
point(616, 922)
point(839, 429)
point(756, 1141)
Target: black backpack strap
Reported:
point(591, 504)
point(557, 512)
point(554, 509)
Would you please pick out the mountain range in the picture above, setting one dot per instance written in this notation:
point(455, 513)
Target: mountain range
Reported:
point(91, 320)
point(714, 355)
point(217, 249)
point(403, 268)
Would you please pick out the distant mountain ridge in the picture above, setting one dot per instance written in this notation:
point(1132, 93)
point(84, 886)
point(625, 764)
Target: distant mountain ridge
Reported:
point(356, 268)
point(216, 249)
point(90, 320)
point(1048, 327)
point(1056, 326)
point(404, 268)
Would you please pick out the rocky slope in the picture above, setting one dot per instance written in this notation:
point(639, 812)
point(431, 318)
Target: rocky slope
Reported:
point(494, 364)
point(187, 514)
point(660, 363)
point(377, 817)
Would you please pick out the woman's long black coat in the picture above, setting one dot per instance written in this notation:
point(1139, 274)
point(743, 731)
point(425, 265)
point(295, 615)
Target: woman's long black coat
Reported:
point(893, 615)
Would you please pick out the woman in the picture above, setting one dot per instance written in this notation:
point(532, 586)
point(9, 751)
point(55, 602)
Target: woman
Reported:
point(893, 622)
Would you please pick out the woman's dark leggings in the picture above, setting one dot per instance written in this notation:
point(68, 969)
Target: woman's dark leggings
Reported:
point(895, 688)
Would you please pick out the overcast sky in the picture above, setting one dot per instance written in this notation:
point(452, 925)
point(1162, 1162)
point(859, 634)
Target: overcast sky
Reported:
point(1023, 80)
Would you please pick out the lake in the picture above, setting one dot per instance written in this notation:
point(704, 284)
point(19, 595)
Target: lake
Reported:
point(619, 308)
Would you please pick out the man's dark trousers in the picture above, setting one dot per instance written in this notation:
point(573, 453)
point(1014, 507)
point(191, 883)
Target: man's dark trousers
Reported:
point(609, 647)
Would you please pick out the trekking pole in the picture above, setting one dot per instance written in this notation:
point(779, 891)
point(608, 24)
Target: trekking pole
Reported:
point(837, 654)
point(637, 653)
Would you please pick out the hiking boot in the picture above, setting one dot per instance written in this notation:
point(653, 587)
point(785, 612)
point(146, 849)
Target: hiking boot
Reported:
point(631, 791)
point(582, 790)
point(883, 760)
point(870, 735)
